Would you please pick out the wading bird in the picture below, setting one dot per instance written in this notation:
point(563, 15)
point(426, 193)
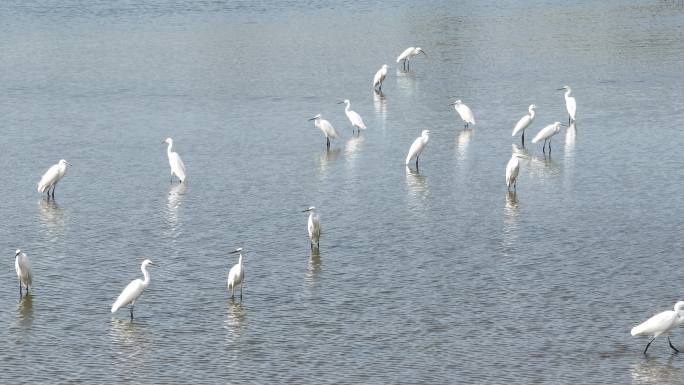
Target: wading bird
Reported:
point(236, 276)
point(464, 112)
point(570, 103)
point(661, 323)
point(417, 147)
point(52, 176)
point(134, 289)
point(524, 122)
point(327, 128)
point(177, 166)
point(512, 170)
point(354, 118)
point(23, 267)
point(408, 54)
point(380, 77)
point(546, 133)
point(314, 226)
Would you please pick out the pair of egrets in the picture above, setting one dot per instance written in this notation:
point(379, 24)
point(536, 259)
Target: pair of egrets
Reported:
point(547, 132)
point(328, 129)
point(405, 57)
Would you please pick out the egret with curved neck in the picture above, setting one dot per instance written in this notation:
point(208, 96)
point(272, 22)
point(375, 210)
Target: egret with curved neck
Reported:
point(524, 122)
point(134, 289)
point(570, 103)
point(236, 276)
point(661, 323)
point(354, 117)
point(175, 161)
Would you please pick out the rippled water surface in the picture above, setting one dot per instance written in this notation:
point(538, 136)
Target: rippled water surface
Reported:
point(431, 277)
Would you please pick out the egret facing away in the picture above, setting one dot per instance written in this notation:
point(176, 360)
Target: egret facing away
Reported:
point(464, 112)
point(23, 267)
point(661, 323)
point(314, 226)
point(380, 77)
point(52, 176)
point(512, 170)
point(546, 133)
point(524, 122)
point(326, 127)
point(354, 118)
point(134, 289)
point(236, 276)
point(408, 54)
point(570, 103)
point(177, 166)
point(418, 146)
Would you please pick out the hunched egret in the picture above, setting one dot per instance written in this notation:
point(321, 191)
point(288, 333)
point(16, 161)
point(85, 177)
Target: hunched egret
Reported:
point(570, 103)
point(177, 166)
point(418, 146)
point(524, 122)
point(546, 133)
point(314, 226)
point(464, 112)
point(52, 176)
point(23, 267)
point(512, 170)
point(408, 54)
point(134, 289)
point(327, 128)
point(380, 77)
point(354, 118)
point(661, 323)
point(236, 276)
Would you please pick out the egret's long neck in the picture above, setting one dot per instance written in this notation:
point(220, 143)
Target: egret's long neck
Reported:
point(567, 93)
point(240, 260)
point(146, 281)
point(168, 149)
point(348, 106)
point(531, 113)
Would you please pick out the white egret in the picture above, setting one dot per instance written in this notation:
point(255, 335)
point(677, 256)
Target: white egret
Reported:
point(661, 323)
point(546, 133)
point(23, 267)
point(354, 118)
point(52, 176)
point(570, 103)
point(134, 289)
point(380, 76)
point(524, 122)
point(464, 112)
point(314, 226)
point(512, 170)
point(418, 146)
point(327, 128)
point(236, 276)
point(408, 54)
point(177, 166)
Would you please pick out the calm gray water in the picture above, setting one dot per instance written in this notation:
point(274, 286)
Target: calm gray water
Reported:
point(437, 277)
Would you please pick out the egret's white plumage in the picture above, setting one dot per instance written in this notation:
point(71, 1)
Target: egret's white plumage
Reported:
point(314, 226)
point(464, 112)
point(546, 133)
point(52, 176)
point(524, 122)
point(570, 103)
point(661, 323)
point(177, 166)
point(236, 276)
point(418, 146)
point(134, 289)
point(353, 117)
point(380, 76)
point(23, 267)
point(325, 127)
point(512, 170)
point(408, 54)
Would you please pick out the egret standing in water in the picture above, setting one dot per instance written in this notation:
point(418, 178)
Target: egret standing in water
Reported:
point(546, 133)
point(512, 170)
point(177, 166)
point(354, 118)
point(661, 323)
point(23, 267)
point(52, 176)
point(134, 289)
point(464, 112)
point(380, 77)
point(408, 54)
point(417, 147)
point(327, 128)
point(236, 276)
point(314, 226)
point(524, 122)
point(570, 103)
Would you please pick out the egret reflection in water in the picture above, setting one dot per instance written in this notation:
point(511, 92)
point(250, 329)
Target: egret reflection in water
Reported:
point(326, 159)
point(236, 316)
point(25, 310)
point(650, 370)
point(52, 216)
point(173, 203)
point(380, 107)
point(314, 268)
point(510, 220)
point(352, 147)
point(417, 188)
point(462, 140)
point(130, 339)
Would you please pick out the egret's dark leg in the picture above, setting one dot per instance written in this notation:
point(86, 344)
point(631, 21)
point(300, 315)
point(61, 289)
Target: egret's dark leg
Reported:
point(549, 146)
point(649, 344)
point(417, 162)
point(327, 142)
point(131, 312)
point(240, 291)
point(523, 139)
point(19, 288)
point(544, 146)
point(673, 348)
point(408, 65)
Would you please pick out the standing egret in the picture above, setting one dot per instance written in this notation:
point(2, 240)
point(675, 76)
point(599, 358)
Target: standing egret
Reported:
point(570, 103)
point(546, 133)
point(314, 226)
point(380, 77)
point(177, 166)
point(52, 176)
point(464, 112)
point(354, 118)
point(134, 289)
point(524, 122)
point(326, 127)
point(408, 54)
point(512, 170)
point(236, 276)
point(661, 323)
point(23, 267)
point(418, 146)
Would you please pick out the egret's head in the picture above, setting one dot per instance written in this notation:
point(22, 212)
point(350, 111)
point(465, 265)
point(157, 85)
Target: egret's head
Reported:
point(238, 250)
point(17, 252)
point(168, 141)
point(64, 163)
point(564, 88)
point(147, 262)
point(532, 106)
point(425, 133)
point(318, 116)
point(312, 208)
point(679, 306)
point(385, 66)
point(457, 101)
point(420, 50)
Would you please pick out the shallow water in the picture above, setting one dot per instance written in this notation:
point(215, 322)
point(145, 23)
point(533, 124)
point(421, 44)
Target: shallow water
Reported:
point(431, 277)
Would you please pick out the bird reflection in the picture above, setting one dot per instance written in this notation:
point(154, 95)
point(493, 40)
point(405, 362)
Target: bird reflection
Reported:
point(25, 309)
point(651, 371)
point(570, 135)
point(380, 105)
point(406, 79)
point(351, 149)
point(314, 268)
point(543, 166)
point(418, 190)
point(568, 160)
point(130, 339)
point(173, 202)
point(235, 319)
point(53, 216)
point(510, 222)
point(518, 150)
point(462, 141)
point(327, 158)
